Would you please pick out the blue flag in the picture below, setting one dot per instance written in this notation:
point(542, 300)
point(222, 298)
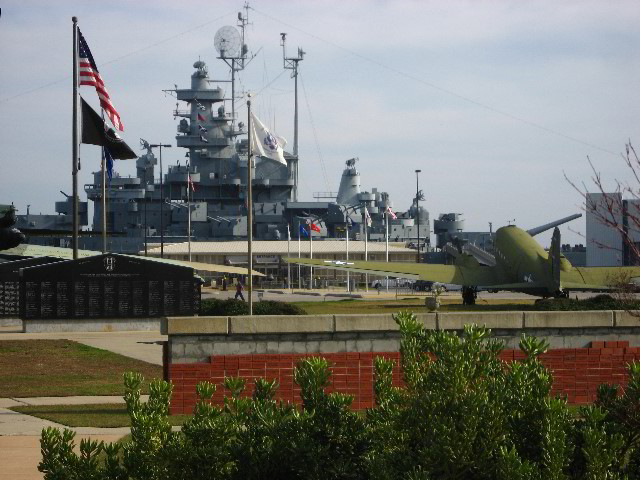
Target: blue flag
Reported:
point(109, 164)
point(303, 231)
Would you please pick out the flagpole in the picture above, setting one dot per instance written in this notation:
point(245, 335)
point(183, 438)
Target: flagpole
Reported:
point(346, 224)
point(288, 256)
point(74, 141)
point(189, 208)
point(366, 250)
point(310, 257)
point(386, 241)
point(104, 203)
point(250, 212)
point(104, 197)
point(299, 256)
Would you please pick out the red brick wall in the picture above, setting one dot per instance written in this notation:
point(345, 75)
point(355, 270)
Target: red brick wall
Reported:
point(577, 372)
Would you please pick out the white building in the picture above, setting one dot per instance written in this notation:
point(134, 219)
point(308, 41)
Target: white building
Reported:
point(605, 245)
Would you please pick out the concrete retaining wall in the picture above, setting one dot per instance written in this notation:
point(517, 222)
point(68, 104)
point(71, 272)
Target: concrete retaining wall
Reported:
point(194, 339)
point(91, 325)
point(587, 349)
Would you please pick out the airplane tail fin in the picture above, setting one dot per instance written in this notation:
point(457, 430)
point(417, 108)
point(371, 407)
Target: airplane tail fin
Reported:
point(554, 261)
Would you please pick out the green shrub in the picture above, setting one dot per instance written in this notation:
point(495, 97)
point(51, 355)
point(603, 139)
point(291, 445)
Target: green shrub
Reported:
point(598, 302)
point(463, 414)
point(231, 308)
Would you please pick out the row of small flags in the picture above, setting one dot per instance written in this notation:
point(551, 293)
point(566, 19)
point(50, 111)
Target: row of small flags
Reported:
point(304, 231)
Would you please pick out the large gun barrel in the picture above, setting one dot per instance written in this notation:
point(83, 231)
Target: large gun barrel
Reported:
point(548, 226)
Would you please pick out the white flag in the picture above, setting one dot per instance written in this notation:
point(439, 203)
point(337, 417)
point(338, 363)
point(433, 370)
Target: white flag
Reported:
point(264, 143)
point(367, 217)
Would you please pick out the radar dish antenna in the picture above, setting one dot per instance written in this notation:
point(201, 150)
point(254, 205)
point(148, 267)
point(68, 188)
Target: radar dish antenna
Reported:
point(228, 42)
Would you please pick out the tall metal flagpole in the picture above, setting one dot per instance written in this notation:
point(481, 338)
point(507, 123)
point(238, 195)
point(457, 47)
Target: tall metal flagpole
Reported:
point(347, 235)
point(74, 141)
point(250, 212)
point(160, 145)
point(418, 213)
point(386, 241)
point(366, 247)
point(310, 255)
point(189, 208)
point(145, 208)
point(104, 198)
point(299, 256)
point(288, 256)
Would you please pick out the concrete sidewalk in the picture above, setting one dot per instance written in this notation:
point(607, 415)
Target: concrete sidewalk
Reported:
point(20, 456)
point(15, 424)
point(20, 434)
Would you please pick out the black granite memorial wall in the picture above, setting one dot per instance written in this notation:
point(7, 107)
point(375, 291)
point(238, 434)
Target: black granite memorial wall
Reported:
point(108, 286)
point(10, 283)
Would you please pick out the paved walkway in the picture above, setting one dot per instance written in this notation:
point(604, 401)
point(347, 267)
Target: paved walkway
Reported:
point(20, 456)
point(20, 434)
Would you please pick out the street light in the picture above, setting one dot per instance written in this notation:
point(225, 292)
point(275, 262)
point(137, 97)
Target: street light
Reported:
point(160, 145)
point(418, 212)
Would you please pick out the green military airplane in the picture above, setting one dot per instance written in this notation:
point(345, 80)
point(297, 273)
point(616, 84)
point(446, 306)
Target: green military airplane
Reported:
point(521, 265)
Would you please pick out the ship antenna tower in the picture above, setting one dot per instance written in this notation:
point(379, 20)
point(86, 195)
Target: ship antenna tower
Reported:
point(232, 48)
point(291, 63)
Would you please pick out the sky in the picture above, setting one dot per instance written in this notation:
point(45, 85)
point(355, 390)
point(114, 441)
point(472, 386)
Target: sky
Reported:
point(494, 101)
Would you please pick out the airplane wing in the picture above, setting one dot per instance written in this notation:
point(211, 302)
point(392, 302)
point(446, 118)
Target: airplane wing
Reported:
point(27, 250)
point(467, 275)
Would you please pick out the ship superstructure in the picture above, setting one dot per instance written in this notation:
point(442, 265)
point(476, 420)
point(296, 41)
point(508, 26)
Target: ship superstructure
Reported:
point(145, 209)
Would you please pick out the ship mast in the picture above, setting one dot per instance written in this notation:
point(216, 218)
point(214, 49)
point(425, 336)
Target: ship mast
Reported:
point(233, 51)
point(291, 63)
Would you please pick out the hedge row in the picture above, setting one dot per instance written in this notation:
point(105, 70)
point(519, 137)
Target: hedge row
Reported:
point(231, 308)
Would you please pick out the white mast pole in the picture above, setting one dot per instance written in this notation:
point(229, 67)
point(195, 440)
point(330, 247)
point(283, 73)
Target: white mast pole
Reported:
point(366, 248)
point(299, 256)
point(386, 241)
point(74, 141)
point(189, 208)
point(347, 236)
point(288, 256)
point(310, 255)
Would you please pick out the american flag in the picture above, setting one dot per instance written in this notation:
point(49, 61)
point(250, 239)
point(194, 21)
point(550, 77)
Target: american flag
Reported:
point(89, 75)
point(390, 212)
point(190, 183)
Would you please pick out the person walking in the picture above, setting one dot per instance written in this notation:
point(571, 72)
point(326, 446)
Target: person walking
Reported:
point(239, 289)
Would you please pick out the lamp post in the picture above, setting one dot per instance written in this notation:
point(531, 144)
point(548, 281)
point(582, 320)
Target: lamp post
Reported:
point(418, 212)
point(160, 145)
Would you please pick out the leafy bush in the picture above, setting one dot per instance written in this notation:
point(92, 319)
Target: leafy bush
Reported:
point(463, 414)
point(231, 308)
point(599, 302)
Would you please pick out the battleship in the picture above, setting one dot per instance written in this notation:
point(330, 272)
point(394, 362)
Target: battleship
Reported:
point(153, 207)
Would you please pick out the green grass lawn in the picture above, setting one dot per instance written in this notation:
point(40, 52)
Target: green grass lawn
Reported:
point(34, 368)
point(416, 304)
point(453, 303)
point(103, 415)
